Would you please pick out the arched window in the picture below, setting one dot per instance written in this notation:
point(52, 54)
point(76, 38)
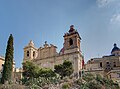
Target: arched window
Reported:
point(71, 42)
point(114, 64)
point(100, 64)
point(27, 53)
point(33, 53)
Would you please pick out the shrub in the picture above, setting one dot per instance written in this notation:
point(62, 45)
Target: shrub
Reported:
point(65, 86)
point(88, 77)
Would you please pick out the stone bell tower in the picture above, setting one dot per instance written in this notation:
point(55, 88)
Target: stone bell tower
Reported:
point(30, 51)
point(72, 40)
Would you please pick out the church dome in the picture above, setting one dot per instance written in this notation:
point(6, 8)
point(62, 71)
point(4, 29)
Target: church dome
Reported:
point(115, 48)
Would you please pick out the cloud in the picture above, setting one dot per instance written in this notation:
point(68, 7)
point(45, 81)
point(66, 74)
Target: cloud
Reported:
point(115, 19)
point(115, 5)
point(114, 24)
point(103, 3)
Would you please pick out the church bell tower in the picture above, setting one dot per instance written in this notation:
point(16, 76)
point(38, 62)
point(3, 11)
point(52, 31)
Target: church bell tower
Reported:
point(72, 41)
point(72, 48)
point(30, 52)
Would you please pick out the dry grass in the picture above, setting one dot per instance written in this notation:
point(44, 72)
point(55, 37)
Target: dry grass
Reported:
point(13, 86)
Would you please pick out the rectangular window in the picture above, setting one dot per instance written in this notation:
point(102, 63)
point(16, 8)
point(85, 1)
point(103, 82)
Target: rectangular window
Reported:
point(33, 53)
point(114, 64)
point(27, 53)
point(100, 64)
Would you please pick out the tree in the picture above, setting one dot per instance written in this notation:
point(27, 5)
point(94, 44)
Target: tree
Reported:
point(68, 68)
point(59, 70)
point(30, 69)
point(8, 65)
point(64, 69)
point(46, 73)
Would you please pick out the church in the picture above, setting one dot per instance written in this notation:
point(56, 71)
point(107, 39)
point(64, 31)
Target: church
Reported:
point(107, 66)
point(47, 56)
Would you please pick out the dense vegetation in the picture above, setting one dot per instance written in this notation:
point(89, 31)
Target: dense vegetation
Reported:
point(48, 79)
point(38, 77)
point(8, 65)
point(43, 78)
point(90, 81)
point(34, 71)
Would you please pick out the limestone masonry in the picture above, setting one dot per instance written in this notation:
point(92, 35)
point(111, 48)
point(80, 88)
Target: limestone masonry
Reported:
point(47, 55)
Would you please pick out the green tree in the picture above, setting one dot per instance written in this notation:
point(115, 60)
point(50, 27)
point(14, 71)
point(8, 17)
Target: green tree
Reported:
point(59, 70)
point(68, 68)
point(30, 70)
point(8, 65)
point(46, 73)
point(65, 69)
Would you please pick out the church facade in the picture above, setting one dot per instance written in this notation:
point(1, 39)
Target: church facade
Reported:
point(106, 66)
point(47, 56)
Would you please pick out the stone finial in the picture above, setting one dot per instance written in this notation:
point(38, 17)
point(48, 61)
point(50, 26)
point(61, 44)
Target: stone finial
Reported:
point(46, 45)
point(71, 28)
point(115, 45)
point(45, 42)
point(31, 43)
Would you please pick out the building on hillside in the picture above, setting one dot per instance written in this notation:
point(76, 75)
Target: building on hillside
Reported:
point(47, 56)
point(107, 66)
point(2, 60)
point(18, 74)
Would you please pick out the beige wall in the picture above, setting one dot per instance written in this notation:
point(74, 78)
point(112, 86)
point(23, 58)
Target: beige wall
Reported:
point(95, 62)
point(51, 61)
point(94, 66)
point(1, 63)
point(95, 72)
point(112, 72)
point(46, 52)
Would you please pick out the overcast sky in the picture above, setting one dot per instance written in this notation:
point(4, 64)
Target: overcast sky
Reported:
point(97, 21)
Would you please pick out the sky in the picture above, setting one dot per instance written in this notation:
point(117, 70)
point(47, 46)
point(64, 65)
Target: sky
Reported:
point(97, 21)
